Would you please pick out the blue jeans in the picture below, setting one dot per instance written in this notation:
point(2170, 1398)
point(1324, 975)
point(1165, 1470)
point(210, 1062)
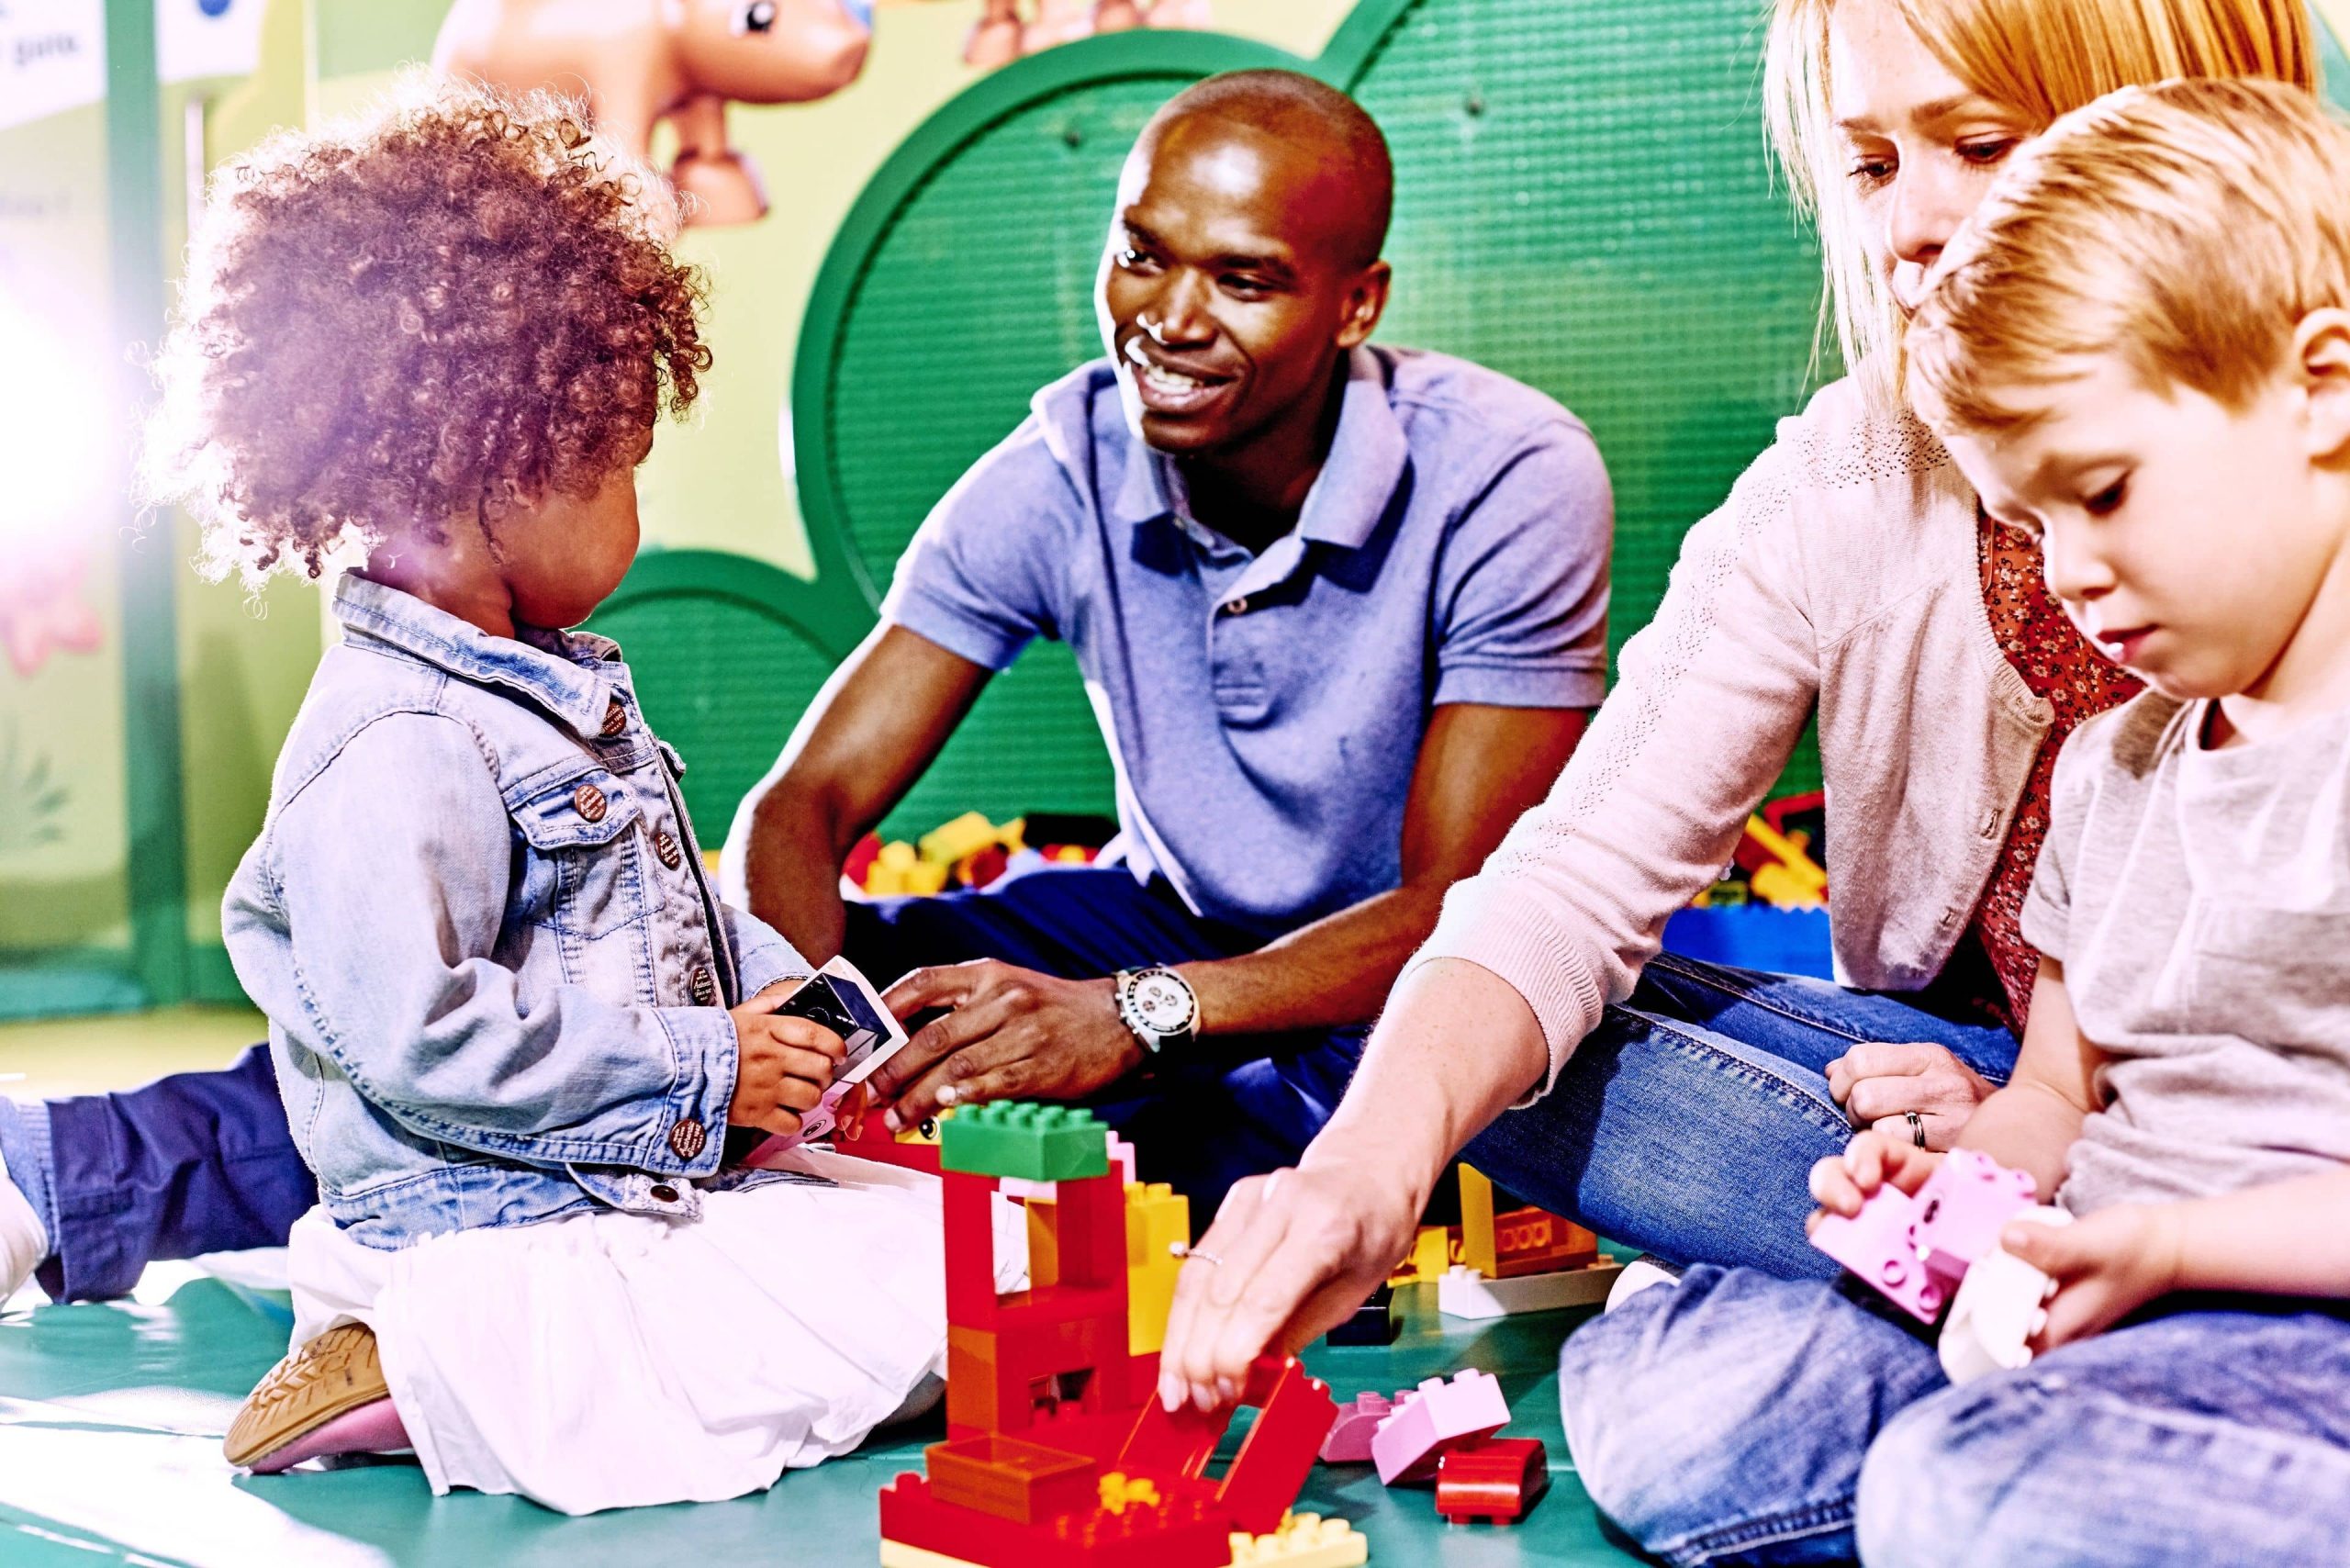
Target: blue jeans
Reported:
point(1688, 1123)
point(204, 1163)
point(1737, 1418)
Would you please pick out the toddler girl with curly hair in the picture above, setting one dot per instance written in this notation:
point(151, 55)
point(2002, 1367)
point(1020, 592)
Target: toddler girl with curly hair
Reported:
point(511, 1020)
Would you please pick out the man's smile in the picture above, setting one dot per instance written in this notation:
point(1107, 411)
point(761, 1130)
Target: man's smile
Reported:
point(1167, 385)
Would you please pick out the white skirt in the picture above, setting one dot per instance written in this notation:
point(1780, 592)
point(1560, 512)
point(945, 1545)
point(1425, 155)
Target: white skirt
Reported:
point(609, 1360)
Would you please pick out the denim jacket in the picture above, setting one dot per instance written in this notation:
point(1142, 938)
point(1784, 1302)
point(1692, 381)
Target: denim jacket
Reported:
point(496, 972)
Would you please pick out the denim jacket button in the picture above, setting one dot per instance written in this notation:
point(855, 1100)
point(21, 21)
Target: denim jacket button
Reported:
point(705, 988)
point(686, 1140)
point(667, 848)
point(589, 802)
point(615, 719)
point(664, 1193)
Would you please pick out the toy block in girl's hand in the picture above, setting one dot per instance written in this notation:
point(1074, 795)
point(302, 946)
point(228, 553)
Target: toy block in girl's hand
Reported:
point(1915, 1250)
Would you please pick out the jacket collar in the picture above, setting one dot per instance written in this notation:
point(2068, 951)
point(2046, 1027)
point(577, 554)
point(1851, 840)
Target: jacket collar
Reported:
point(573, 675)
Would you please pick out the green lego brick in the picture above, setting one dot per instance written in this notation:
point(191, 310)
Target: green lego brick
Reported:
point(1014, 1137)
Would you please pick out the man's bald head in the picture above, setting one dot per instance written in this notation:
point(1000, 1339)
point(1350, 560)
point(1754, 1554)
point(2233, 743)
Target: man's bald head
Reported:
point(1313, 118)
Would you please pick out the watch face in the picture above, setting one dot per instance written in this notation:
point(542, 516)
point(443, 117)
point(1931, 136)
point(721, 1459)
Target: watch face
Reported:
point(1163, 1003)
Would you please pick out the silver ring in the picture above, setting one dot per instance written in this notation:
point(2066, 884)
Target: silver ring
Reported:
point(1185, 1250)
point(1916, 1128)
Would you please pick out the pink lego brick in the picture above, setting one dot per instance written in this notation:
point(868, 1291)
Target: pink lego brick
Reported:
point(1915, 1250)
point(1961, 1209)
point(1874, 1245)
point(1350, 1439)
point(1410, 1442)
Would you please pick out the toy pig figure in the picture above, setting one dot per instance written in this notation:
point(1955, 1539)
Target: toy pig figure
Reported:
point(641, 61)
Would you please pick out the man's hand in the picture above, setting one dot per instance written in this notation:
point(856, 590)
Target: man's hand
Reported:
point(1294, 1253)
point(783, 1067)
point(1877, 1081)
point(1012, 1035)
point(2105, 1266)
point(1843, 1182)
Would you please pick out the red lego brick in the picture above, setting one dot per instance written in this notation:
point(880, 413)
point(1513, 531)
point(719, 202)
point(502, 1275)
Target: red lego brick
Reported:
point(1294, 1412)
point(1536, 1241)
point(1183, 1531)
point(1019, 1481)
point(868, 1137)
point(1496, 1480)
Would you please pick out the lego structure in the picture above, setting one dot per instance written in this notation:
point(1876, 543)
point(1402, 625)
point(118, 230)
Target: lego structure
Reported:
point(1527, 1259)
point(1915, 1249)
point(1057, 1455)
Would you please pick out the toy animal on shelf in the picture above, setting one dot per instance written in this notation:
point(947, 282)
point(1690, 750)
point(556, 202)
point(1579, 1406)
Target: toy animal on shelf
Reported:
point(1003, 34)
point(640, 62)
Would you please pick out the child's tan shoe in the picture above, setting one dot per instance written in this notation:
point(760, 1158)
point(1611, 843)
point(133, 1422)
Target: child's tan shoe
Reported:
point(316, 1381)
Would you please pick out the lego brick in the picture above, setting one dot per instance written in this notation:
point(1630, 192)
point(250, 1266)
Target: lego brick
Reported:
point(897, 1554)
point(1875, 1246)
point(1014, 1138)
point(1011, 1479)
point(2000, 1305)
point(1004, 1381)
point(868, 1137)
point(1375, 1322)
point(1477, 1221)
point(1496, 1480)
point(1304, 1540)
point(1293, 1414)
point(1434, 1417)
point(1536, 1241)
point(1916, 1250)
point(1465, 1294)
point(1183, 1531)
point(1348, 1442)
point(1156, 1217)
point(1962, 1208)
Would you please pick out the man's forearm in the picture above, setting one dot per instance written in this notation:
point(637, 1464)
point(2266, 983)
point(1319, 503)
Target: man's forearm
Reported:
point(1456, 1048)
point(1334, 972)
point(792, 863)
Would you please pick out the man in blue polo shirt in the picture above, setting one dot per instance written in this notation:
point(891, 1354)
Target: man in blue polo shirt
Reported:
point(1341, 612)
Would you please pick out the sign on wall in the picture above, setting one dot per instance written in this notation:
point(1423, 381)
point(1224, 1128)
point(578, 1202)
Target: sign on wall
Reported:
point(53, 57)
point(207, 37)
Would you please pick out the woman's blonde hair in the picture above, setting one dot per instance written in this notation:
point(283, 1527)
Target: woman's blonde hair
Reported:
point(2039, 58)
point(2187, 228)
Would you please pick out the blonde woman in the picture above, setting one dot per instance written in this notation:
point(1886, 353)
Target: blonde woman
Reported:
point(2146, 327)
point(1850, 574)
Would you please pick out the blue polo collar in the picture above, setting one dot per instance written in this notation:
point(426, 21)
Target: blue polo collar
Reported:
point(1368, 455)
point(573, 675)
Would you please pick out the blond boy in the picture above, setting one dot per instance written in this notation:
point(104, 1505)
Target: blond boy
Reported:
point(2139, 350)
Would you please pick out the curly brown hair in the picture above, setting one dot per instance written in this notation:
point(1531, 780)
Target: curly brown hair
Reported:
point(456, 304)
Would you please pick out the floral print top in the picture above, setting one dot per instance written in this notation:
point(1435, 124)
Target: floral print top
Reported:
point(2061, 666)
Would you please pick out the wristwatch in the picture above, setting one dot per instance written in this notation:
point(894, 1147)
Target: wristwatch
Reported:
point(1159, 1006)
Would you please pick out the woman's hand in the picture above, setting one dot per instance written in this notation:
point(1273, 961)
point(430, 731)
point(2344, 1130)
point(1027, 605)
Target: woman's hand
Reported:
point(2105, 1266)
point(1290, 1255)
point(1878, 1081)
point(1843, 1182)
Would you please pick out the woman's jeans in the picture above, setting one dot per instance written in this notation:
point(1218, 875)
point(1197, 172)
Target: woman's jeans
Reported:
point(1684, 1125)
point(1737, 1418)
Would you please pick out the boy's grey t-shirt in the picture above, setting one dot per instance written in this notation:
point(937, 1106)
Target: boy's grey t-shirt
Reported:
point(2199, 901)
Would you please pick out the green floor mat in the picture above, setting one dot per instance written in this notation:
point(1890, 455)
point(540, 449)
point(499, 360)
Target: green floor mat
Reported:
point(110, 1433)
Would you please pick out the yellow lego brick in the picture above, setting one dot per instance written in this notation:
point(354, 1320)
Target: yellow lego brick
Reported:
point(1477, 1222)
point(1305, 1540)
point(1044, 1244)
point(1156, 1217)
point(898, 1554)
point(950, 841)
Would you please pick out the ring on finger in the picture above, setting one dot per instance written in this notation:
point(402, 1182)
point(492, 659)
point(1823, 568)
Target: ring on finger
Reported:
point(1186, 1251)
point(1917, 1127)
